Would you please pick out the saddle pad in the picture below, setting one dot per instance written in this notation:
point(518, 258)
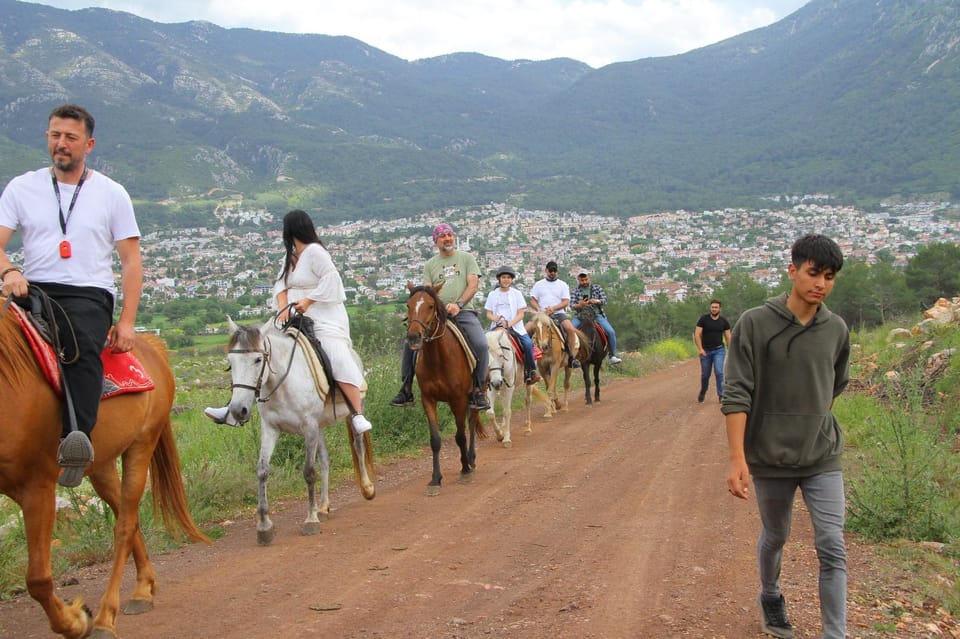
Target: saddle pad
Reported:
point(471, 360)
point(316, 367)
point(122, 372)
point(517, 348)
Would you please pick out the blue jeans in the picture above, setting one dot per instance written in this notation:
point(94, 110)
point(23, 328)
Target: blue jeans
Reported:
point(713, 360)
point(823, 496)
point(607, 328)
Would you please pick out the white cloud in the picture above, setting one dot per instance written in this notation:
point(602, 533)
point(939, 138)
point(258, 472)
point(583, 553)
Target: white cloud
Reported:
point(597, 32)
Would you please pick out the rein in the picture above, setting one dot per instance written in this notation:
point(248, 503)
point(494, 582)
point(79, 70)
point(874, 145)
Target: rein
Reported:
point(266, 352)
point(438, 331)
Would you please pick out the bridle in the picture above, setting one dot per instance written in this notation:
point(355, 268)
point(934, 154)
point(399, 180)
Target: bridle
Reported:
point(264, 366)
point(430, 335)
point(508, 352)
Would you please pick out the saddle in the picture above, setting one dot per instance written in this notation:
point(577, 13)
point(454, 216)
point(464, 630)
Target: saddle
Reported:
point(517, 348)
point(300, 328)
point(122, 372)
point(562, 334)
point(471, 358)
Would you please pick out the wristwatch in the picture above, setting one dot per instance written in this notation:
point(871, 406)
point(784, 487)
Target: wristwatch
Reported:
point(460, 304)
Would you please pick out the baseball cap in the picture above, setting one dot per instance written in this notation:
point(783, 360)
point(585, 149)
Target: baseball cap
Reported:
point(583, 271)
point(551, 266)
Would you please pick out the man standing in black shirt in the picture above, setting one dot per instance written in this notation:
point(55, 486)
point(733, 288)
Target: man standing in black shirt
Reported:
point(712, 329)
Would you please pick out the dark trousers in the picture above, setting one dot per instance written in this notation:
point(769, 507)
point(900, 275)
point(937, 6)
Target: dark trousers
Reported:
point(83, 316)
point(472, 331)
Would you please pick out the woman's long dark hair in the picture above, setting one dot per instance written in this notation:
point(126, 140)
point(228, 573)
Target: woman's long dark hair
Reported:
point(297, 225)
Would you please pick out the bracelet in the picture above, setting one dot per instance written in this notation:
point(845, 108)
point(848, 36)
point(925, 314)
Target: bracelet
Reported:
point(4, 272)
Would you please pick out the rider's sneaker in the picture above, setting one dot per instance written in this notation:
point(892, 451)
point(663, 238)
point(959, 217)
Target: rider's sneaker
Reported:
point(220, 415)
point(532, 378)
point(361, 424)
point(615, 360)
point(75, 454)
point(574, 362)
point(773, 617)
point(478, 401)
point(403, 398)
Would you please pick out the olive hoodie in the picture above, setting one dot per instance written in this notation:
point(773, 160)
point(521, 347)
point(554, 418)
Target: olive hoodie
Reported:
point(785, 376)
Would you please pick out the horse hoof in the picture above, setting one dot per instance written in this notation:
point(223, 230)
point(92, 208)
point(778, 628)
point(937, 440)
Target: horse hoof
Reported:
point(102, 633)
point(508, 444)
point(310, 528)
point(265, 537)
point(368, 492)
point(138, 606)
point(466, 478)
point(323, 515)
point(433, 491)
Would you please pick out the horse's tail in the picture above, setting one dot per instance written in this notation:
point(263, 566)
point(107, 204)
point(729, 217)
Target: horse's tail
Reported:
point(536, 393)
point(583, 352)
point(476, 424)
point(166, 483)
point(367, 455)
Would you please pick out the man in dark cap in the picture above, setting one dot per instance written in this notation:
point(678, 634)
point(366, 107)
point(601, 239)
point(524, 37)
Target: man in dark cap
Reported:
point(551, 295)
point(586, 295)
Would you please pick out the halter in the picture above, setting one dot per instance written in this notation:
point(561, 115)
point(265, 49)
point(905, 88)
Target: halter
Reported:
point(509, 353)
point(438, 331)
point(266, 352)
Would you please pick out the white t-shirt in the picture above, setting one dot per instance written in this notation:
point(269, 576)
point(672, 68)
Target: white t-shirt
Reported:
point(549, 293)
point(506, 304)
point(102, 215)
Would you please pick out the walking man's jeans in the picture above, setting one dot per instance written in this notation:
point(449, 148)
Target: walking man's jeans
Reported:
point(823, 496)
point(712, 361)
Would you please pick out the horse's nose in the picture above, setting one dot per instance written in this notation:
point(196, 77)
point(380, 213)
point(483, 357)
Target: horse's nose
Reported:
point(496, 382)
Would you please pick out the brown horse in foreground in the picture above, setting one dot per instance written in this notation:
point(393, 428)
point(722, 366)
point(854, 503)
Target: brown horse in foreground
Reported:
point(546, 335)
point(134, 427)
point(444, 375)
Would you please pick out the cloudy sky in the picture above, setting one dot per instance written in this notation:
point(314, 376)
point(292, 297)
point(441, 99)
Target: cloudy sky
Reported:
point(597, 32)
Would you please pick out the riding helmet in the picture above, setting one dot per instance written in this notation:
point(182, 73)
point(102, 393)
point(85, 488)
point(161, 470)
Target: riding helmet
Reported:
point(506, 270)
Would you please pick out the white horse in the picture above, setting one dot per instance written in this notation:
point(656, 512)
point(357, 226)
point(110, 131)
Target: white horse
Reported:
point(506, 375)
point(270, 368)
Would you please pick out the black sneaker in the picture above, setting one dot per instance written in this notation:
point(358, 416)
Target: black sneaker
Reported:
point(773, 617)
point(403, 398)
point(700, 397)
point(574, 362)
point(478, 401)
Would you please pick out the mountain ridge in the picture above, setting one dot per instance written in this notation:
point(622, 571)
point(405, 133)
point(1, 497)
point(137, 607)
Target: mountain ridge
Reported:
point(848, 97)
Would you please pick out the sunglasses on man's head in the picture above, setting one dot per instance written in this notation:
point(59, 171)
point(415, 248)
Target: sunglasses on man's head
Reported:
point(551, 270)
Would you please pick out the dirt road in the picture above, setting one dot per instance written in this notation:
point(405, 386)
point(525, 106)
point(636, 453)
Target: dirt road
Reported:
point(610, 521)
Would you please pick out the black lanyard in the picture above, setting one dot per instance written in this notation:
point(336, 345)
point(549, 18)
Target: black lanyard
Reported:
point(73, 200)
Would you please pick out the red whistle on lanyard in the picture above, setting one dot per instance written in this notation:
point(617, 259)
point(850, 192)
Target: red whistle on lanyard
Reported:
point(65, 250)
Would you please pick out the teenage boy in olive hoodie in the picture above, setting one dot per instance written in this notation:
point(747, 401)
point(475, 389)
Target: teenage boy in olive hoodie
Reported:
point(787, 361)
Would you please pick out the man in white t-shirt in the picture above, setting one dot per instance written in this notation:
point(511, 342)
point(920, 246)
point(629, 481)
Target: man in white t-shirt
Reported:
point(551, 295)
point(71, 219)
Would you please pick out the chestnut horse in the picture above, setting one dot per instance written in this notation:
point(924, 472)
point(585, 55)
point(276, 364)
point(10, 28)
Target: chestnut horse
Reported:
point(444, 375)
point(134, 427)
point(546, 336)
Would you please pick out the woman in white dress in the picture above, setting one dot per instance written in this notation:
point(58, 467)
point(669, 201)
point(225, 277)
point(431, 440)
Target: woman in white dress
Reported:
point(311, 283)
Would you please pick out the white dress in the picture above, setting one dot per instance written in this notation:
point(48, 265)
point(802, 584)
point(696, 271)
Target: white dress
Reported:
point(315, 277)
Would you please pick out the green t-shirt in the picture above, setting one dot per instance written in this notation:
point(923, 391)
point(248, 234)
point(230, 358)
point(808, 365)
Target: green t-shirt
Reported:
point(452, 271)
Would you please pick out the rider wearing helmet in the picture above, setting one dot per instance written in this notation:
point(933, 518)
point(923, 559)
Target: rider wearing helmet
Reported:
point(505, 308)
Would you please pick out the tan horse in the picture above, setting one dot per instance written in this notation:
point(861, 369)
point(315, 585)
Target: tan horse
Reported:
point(134, 427)
point(546, 335)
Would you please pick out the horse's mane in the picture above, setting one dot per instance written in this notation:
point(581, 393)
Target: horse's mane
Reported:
point(440, 306)
point(16, 359)
point(245, 338)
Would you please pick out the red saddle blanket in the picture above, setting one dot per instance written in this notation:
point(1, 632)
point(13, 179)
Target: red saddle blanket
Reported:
point(122, 372)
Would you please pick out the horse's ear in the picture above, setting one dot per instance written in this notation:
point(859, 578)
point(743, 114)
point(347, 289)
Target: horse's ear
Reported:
point(231, 326)
point(436, 289)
